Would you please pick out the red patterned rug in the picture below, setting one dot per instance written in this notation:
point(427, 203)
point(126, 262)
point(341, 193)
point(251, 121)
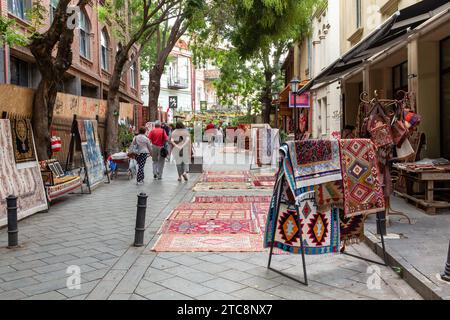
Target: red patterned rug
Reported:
point(213, 226)
point(231, 199)
point(225, 176)
point(363, 193)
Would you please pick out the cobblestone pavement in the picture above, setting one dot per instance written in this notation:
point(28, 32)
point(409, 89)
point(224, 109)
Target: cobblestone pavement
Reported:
point(95, 232)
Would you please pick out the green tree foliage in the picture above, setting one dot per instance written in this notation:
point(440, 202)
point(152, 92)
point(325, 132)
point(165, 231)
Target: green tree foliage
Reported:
point(259, 33)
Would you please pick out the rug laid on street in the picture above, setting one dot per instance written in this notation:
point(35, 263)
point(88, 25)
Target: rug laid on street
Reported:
point(237, 180)
point(215, 224)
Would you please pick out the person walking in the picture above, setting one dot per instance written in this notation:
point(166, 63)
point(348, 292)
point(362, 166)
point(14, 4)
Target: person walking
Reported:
point(143, 148)
point(180, 140)
point(158, 138)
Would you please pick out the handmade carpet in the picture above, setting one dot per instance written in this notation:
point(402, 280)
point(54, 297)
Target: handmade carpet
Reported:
point(266, 180)
point(363, 193)
point(212, 214)
point(24, 183)
point(209, 243)
point(314, 161)
point(213, 206)
point(265, 142)
point(230, 199)
point(92, 154)
point(209, 226)
point(329, 193)
point(351, 228)
point(319, 229)
point(205, 186)
point(22, 140)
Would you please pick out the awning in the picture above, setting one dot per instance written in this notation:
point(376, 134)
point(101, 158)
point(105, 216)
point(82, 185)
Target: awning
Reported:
point(393, 31)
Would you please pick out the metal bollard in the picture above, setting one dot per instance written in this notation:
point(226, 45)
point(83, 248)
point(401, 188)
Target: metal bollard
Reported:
point(13, 232)
point(140, 220)
point(446, 275)
point(381, 223)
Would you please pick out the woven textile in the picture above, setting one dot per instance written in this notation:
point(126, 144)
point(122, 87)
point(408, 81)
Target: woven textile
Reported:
point(329, 193)
point(209, 243)
point(314, 161)
point(230, 199)
point(212, 214)
point(319, 229)
point(266, 143)
point(209, 226)
point(58, 190)
point(22, 140)
point(204, 186)
point(351, 228)
point(91, 151)
point(213, 206)
point(24, 183)
point(266, 180)
point(362, 189)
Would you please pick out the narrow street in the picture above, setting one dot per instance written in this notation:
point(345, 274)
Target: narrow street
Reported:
point(96, 232)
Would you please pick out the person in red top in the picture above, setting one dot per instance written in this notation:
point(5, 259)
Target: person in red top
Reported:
point(210, 133)
point(158, 138)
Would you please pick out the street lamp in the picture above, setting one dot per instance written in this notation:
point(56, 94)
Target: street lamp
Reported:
point(294, 89)
point(275, 98)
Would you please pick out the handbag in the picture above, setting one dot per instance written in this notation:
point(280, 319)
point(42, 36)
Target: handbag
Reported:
point(378, 127)
point(133, 149)
point(164, 153)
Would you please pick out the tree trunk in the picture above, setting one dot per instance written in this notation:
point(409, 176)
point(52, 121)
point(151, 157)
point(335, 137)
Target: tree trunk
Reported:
point(266, 98)
point(112, 119)
point(154, 86)
point(44, 101)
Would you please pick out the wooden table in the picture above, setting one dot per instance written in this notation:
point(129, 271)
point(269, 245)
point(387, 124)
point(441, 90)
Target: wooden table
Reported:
point(428, 177)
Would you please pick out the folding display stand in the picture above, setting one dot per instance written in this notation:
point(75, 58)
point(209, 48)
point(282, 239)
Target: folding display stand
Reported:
point(379, 218)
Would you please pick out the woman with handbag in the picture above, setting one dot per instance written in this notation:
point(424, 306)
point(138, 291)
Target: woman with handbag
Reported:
point(181, 142)
point(141, 147)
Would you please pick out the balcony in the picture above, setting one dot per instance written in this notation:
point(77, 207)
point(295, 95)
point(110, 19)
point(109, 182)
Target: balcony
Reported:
point(178, 84)
point(212, 74)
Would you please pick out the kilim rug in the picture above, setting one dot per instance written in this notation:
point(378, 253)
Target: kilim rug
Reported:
point(314, 161)
point(351, 228)
point(319, 228)
point(210, 226)
point(329, 193)
point(205, 186)
point(209, 243)
point(231, 199)
point(266, 180)
point(362, 189)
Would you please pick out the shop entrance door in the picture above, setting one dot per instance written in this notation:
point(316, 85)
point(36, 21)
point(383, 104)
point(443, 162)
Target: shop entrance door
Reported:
point(445, 97)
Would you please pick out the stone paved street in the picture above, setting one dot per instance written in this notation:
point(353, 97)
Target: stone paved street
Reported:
point(96, 232)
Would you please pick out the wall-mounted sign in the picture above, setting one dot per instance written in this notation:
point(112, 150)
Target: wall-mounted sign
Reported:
point(173, 102)
point(301, 101)
point(203, 106)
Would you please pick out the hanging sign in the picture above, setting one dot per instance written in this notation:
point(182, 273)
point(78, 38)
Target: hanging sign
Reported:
point(301, 101)
point(173, 102)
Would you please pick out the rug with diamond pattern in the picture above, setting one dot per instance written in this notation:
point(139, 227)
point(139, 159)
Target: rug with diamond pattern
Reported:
point(363, 193)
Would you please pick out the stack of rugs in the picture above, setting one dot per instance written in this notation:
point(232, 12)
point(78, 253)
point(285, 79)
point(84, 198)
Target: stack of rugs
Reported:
point(323, 192)
point(215, 224)
point(240, 180)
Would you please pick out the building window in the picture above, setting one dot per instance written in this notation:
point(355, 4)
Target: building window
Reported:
point(85, 30)
point(19, 7)
point(399, 79)
point(133, 74)
point(104, 48)
point(358, 14)
point(53, 6)
point(19, 72)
